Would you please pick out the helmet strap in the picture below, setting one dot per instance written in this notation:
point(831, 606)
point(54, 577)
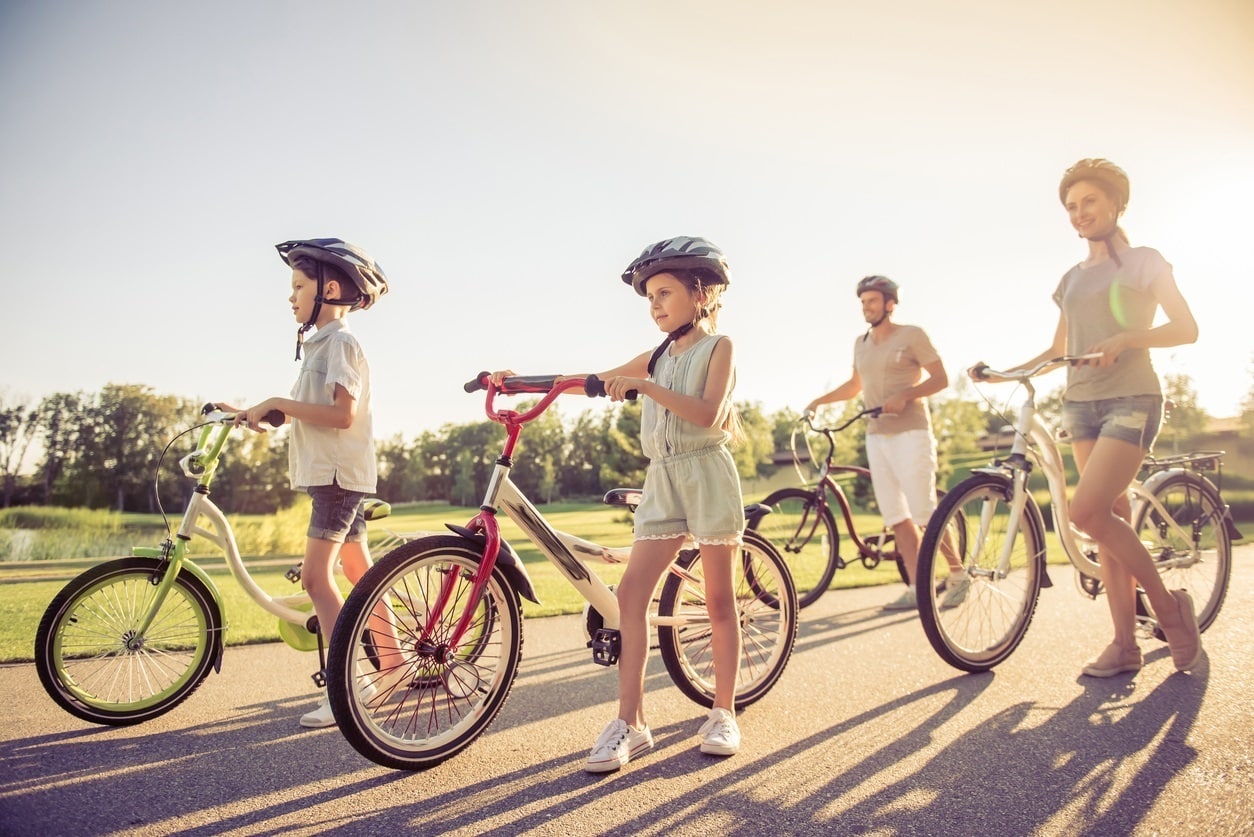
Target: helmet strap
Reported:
point(670, 338)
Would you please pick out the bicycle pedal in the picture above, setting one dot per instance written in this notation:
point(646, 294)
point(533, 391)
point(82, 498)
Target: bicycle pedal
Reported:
point(319, 678)
point(606, 645)
point(293, 575)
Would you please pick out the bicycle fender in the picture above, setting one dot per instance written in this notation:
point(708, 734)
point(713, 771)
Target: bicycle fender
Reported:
point(506, 559)
point(1159, 477)
point(219, 639)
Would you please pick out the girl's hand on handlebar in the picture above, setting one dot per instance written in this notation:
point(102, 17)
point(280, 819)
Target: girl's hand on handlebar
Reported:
point(618, 387)
point(497, 378)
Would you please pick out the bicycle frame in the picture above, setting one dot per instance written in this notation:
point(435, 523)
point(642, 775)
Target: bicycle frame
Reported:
point(827, 483)
point(202, 463)
point(1035, 443)
point(565, 551)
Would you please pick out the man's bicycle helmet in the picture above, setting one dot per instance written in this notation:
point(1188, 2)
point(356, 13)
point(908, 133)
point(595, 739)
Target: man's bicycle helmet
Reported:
point(682, 253)
point(887, 287)
point(1112, 180)
point(362, 271)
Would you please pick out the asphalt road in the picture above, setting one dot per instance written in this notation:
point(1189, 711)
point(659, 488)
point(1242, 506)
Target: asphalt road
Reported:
point(868, 732)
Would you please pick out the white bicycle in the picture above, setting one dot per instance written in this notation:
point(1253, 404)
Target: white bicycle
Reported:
point(1176, 509)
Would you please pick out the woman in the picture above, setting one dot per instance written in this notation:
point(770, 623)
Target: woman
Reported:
point(1112, 407)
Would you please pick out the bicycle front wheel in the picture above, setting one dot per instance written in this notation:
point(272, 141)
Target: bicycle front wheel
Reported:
point(981, 613)
point(804, 532)
point(766, 602)
point(93, 660)
point(1188, 542)
point(420, 700)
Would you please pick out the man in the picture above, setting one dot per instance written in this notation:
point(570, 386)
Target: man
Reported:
point(896, 368)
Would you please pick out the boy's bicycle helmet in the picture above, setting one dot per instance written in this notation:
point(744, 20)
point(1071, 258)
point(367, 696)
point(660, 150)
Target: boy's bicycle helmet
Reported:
point(887, 287)
point(1112, 179)
point(682, 253)
point(361, 270)
point(365, 274)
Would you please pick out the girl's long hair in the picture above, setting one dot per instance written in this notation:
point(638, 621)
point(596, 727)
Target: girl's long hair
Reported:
point(705, 282)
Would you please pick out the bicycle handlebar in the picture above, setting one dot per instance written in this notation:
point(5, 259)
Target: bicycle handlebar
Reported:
point(869, 412)
point(984, 373)
point(275, 418)
point(515, 384)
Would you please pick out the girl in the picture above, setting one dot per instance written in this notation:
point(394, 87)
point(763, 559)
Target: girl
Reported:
point(1112, 407)
point(691, 488)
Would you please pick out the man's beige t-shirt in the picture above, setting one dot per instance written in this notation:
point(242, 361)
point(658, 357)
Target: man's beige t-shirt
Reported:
point(890, 366)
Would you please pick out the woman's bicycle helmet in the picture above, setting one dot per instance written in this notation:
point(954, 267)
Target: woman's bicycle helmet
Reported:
point(887, 287)
point(1112, 180)
point(362, 271)
point(682, 253)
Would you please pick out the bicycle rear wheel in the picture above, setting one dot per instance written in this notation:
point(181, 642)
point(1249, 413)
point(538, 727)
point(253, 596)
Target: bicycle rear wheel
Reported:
point(424, 701)
point(805, 533)
point(93, 661)
point(1189, 543)
point(978, 622)
point(767, 603)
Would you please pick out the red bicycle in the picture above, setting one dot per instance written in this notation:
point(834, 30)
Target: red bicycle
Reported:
point(455, 603)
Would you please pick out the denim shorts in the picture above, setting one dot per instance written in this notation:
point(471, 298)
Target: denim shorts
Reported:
point(1133, 418)
point(337, 514)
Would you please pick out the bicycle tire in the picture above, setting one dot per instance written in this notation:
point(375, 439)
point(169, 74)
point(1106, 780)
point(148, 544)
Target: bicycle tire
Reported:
point(427, 709)
point(983, 628)
point(767, 604)
point(804, 532)
point(1196, 505)
point(93, 663)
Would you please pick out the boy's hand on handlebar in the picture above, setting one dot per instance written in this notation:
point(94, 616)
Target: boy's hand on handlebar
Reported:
point(266, 411)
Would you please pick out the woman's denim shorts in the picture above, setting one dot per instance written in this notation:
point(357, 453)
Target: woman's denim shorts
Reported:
point(1133, 418)
point(337, 514)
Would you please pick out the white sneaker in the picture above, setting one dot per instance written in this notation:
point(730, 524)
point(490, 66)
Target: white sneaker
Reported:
point(320, 717)
point(906, 601)
point(617, 745)
point(956, 589)
point(720, 736)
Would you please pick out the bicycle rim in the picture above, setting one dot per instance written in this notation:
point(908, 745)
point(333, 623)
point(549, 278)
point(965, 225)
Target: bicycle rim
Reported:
point(93, 661)
point(421, 702)
point(805, 534)
point(977, 622)
point(1189, 544)
point(766, 601)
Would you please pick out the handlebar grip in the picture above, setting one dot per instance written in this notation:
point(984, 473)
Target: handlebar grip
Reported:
point(980, 370)
point(479, 382)
point(595, 388)
point(275, 418)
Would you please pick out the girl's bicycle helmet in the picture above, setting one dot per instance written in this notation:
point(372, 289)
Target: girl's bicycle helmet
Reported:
point(682, 253)
point(887, 287)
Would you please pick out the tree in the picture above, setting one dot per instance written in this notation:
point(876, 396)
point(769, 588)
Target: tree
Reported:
point(753, 451)
point(60, 418)
point(19, 424)
point(1183, 417)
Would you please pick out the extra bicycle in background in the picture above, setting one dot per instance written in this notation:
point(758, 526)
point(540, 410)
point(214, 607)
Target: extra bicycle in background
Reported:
point(131, 638)
point(802, 526)
point(1176, 509)
point(455, 603)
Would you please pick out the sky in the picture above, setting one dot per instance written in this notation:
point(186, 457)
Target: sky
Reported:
point(505, 161)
